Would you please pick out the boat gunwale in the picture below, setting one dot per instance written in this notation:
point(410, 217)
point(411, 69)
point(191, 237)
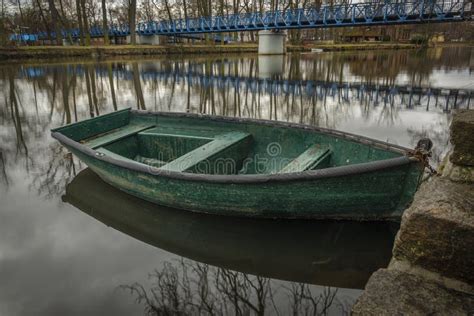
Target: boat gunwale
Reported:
point(219, 118)
point(253, 178)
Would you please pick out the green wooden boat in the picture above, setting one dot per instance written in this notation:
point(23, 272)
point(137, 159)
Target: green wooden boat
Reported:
point(246, 167)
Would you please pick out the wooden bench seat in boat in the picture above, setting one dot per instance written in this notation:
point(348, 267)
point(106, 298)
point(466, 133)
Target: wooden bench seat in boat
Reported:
point(311, 158)
point(115, 135)
point(232, 146)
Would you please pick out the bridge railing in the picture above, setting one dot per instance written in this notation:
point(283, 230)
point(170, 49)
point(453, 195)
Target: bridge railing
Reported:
point(328, 15)
point(355, 14)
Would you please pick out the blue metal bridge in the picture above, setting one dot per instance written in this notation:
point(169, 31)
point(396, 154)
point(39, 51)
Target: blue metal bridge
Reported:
point(344, 15)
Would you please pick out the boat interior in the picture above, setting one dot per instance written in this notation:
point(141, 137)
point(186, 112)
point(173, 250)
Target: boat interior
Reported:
point(209, 146)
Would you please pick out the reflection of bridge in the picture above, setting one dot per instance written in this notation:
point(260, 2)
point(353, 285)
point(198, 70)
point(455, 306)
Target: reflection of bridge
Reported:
point(408, 95)
point(344, 91)
point(355, 14)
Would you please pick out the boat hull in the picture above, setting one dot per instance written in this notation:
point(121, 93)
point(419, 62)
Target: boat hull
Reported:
point(352, 177)
point(376, 195)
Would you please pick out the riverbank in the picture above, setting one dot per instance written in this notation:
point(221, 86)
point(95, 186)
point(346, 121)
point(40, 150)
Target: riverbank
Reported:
point(45, 52)
point(48, 52)
point(432, 266)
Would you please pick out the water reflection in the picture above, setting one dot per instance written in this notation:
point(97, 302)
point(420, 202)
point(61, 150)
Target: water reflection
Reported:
point(270, 66)
point(341, 254)
point(239, 262)
point(55, 259)
point(191, 288)
point(393, 96)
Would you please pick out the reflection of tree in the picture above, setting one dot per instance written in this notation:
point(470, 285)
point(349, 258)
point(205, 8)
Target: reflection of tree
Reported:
point(15, 115)
point(60, 93)
point(111, 85)
point(305, 302)
point(386, 66)
point(138, 87)
point(25, 128)
point(192, 288)
point(325, 107)
point(4, 178)
point(51, 179)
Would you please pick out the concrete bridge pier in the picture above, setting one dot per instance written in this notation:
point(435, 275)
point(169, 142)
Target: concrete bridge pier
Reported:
point(271, 42)
point(145, 39)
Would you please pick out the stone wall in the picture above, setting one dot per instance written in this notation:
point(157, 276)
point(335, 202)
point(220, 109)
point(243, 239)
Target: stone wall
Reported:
point(432, 268)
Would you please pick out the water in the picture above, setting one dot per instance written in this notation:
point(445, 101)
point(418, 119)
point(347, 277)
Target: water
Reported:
point(70, 244)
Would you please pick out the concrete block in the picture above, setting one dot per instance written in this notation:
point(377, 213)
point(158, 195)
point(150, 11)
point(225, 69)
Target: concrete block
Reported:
point(271, 43)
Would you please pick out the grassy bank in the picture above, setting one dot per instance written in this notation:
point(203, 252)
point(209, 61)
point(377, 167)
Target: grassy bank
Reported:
point(363, 46)
point(54, 52)
point(39, 52)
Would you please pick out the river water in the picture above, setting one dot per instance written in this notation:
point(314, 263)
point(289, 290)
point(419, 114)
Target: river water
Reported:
point(70, 244)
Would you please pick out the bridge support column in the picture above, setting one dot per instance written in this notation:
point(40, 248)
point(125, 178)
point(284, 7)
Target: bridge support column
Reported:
point(146, 39)
point(271, 42)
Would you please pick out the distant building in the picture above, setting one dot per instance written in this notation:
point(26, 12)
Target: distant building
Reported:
point(376, 34)
point(358, 35)
point(437, 38)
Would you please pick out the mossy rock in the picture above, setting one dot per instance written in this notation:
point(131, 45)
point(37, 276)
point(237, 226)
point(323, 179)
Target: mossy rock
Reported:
point(458, 173)
point(437, 231)
point(392, 292)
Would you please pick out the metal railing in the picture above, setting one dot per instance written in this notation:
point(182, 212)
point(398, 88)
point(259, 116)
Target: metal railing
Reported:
point(356, 14)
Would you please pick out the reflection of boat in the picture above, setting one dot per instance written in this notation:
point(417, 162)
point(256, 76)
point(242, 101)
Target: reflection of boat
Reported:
point(245, 167)
point(342, 254)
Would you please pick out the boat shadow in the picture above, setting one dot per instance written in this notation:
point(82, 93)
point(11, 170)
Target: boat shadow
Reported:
point(329, 253)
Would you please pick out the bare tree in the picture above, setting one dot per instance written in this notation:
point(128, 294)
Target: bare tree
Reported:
point(55, 19)
point(132, 15)
point(3, 31)
point(105, 26)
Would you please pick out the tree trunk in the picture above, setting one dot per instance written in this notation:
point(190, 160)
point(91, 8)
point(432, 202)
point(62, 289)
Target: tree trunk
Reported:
point(3, 33)
point(79, 21)
point(105, 26)
point(64, 21)
point(85, 23)
point(132, 14)
point(46, 25)
point(55, 19)
point(168, 10)
point(20, 10)
point(185, 8)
